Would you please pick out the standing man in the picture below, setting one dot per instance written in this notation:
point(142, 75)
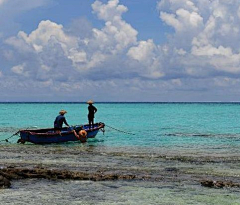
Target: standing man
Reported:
point(60, 119)
point(91, 111)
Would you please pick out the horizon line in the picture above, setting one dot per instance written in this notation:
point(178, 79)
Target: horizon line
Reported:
point(121, 102)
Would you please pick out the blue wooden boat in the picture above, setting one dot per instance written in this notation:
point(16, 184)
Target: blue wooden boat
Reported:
point(48, 135)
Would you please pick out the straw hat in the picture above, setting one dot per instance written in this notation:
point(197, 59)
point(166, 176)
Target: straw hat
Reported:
point(62, 112)
point(90, 102)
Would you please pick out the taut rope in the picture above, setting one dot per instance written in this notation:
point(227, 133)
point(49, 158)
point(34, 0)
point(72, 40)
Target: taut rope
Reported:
point(119, 130)
point(6, 140)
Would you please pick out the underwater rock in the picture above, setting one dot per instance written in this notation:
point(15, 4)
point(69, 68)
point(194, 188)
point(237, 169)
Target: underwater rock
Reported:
point(24, 173)
point(207, 183)
point(171, 169)
point(4, 182)
point(218, 184)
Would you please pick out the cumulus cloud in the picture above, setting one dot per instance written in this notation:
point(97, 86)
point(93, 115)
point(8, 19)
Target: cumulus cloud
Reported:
point(19, 69)
point(204, 44)
point(117, 34)
point(48, 31)
point(110, 11)
point(147, 54)
point(81, 52)
point(212, 37)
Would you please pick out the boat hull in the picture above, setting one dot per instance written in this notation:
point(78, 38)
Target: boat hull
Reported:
point(47, 136)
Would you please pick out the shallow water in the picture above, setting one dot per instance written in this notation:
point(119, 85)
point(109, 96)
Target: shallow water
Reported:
point(177, 144)
point(174, 179)
point(117, 192)
point(170, 125)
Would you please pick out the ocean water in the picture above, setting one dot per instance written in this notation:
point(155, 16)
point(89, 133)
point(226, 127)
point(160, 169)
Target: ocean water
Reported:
point(201, 140)
point(196, 126)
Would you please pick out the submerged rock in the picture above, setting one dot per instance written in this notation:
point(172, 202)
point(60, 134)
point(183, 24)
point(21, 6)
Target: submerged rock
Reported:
point(4, 182)
point(171, 169)
point(218, 184)
point(24, 173)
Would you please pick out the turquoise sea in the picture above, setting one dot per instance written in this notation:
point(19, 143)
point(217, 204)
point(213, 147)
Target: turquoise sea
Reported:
point(200, 140)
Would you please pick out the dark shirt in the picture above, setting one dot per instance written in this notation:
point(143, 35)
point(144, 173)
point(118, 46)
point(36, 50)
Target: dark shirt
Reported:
point(60, 119)
point(91, 111)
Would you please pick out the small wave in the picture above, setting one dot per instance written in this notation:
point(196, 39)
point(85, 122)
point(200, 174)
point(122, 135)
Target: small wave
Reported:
point(201, 135)
point(167, 128)
point(188, 134)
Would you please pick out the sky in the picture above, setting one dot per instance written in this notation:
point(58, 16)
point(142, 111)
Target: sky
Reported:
point(120, 50)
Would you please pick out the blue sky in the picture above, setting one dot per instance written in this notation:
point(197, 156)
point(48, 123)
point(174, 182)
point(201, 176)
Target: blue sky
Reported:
point(119, 50)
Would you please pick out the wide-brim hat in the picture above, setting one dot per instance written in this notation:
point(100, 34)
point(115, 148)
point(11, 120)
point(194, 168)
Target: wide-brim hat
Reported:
point(90, 102)
point(62, 112)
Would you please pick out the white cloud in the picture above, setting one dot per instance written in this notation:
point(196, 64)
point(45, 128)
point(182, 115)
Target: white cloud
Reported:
point(182, 20)
point(204, 32)
point(143, 51)
point(51, 48)
point(19, 44)
point(210, 51)
point(117, 35)
point(85, 53)
point(177, 82)
point(19, 69)
point(111, 11)
point(205, 42)
point(46, 32)
point(76, 56)
point(146, 53)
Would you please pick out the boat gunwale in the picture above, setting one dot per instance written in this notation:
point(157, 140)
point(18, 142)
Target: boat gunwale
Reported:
point(33, 132)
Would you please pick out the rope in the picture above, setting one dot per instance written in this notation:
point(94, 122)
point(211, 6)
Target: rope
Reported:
point(6, 140)
point(119, 130)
